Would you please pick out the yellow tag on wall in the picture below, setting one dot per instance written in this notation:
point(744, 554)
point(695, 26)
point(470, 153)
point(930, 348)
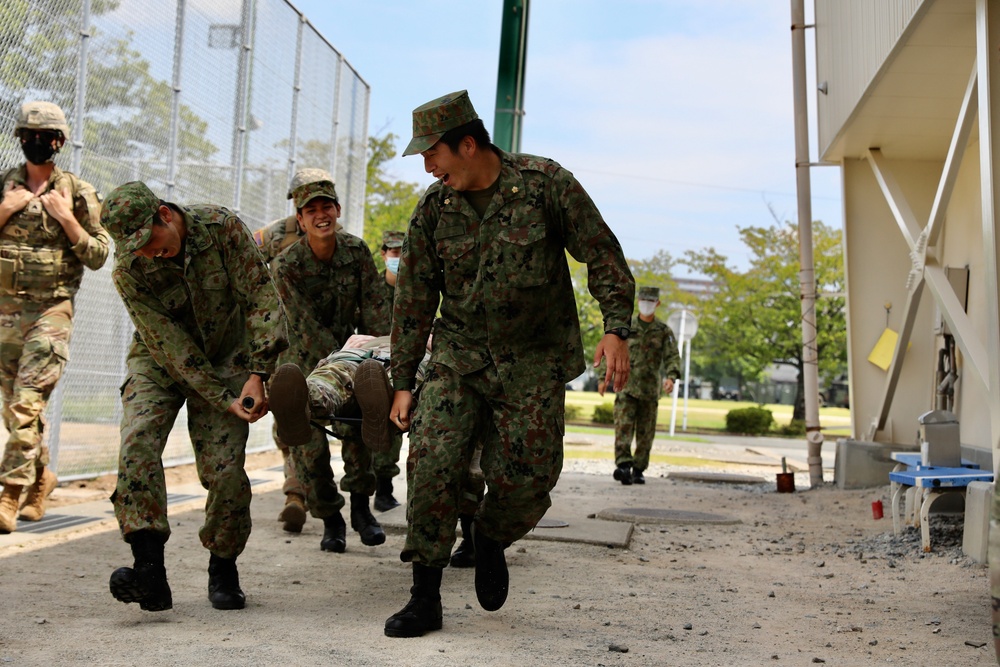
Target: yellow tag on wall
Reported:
point(881, 354)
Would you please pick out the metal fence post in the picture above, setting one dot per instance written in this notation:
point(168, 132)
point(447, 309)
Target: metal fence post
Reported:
point(296, 89)
point(242, 102)
point(175, 108)
point(81, 88)
point(336, 117)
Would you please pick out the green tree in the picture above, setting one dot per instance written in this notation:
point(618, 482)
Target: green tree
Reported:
point(388, 203)
point(753, 320)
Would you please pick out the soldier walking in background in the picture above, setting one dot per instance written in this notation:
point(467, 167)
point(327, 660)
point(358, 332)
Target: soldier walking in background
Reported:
point(209, 327)
point(49, 231)
point(655, 363)
point(330, 288)
point(487, 243)
point(272, 240)
point(386, 464)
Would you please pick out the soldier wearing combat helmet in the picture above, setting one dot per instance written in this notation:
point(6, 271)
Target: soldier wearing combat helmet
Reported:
point(49, 231)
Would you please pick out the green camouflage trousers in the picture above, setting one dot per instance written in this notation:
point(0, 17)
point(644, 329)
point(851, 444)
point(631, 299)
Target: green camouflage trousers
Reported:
point(331, 392)
point(638, 416)
point(386, 464)
point(522, 432)
point(34, 346)
point(292, 483)
point(219, 440)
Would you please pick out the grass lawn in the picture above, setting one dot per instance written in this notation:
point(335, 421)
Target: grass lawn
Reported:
point(702, 414)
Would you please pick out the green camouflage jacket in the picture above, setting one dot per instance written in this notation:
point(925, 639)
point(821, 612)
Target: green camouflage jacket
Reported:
point(220, 308)
point(37, 261)
point(653, 356)
point(326, 301)
point(503, 283)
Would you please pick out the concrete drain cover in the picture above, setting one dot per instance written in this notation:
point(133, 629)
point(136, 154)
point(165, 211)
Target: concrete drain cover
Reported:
point(726, 477)
point(551, 523)
point(648, 515)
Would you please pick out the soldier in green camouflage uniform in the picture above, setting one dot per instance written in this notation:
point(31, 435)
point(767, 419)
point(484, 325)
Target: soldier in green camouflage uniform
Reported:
point(487, 242)
point(272, 240)
point(386, 464)
point(209, 327)
point(655, 363)
point(330, 287)
point(49, 231)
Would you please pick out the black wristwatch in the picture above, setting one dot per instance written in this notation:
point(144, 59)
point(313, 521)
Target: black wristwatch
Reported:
point(262, 375)
point(621, 332)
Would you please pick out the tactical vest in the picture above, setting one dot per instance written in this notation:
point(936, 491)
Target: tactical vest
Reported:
point(37, 262)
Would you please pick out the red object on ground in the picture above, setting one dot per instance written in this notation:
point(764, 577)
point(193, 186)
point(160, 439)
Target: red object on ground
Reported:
point(876, 509)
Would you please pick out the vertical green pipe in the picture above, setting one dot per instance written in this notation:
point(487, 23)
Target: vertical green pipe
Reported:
point(510, 76)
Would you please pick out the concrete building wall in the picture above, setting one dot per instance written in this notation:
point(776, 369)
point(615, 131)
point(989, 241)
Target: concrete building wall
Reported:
point(853, 40)
point(877, 262)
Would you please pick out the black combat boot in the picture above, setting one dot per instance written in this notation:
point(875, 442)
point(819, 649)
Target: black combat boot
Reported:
point(224, 584)
point(334, 534)
point(146, 581)
point(638, 477)
point(492, 578)
point(465, 554)
point(384, 500)
point(423, 612)
point(364, 523)
point(623, 473)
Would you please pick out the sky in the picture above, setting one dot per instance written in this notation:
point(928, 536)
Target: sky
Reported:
point(675, 115)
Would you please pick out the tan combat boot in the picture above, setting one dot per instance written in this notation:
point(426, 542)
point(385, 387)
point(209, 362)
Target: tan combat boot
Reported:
point(293, 516)
point(33, 508)
point(8, 508)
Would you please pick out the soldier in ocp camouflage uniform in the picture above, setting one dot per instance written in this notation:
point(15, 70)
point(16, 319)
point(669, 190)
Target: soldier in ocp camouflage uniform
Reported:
point(330, 287)
point(272, 240)
point(488, 242)
point(209, 327)
point(49, 231)
point(655, 363)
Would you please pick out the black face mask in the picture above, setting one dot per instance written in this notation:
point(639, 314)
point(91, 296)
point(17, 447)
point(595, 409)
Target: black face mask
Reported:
point(38, 149)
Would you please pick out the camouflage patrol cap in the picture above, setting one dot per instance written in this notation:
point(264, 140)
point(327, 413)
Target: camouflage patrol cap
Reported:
point(306, 193)
point(41, 116)
point(307, 175)
point(128, 214)
point(392, 239)
point(649, 294)
point(432, 120)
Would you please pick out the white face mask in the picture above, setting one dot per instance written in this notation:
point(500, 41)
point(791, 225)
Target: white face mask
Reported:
point(646, 308)
point(392, 263)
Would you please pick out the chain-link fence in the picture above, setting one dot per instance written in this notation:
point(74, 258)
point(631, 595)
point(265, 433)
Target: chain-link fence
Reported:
point(207, 101)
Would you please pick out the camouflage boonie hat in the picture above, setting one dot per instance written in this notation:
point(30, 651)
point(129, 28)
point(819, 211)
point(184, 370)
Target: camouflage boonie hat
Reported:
point(649, 294)
point(432, 120)
point(392, 239)
point(306, 193)
point(41, 116)
point(308, 175)
point(128, 213)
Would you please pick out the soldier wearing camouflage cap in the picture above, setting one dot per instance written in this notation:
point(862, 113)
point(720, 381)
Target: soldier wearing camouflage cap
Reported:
point(655, 360)
point(330, 288)
point(49, 231)
point(272, 240)
point(484, 261)
point(386, 464)
point(208, 330)
point(283, 232)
